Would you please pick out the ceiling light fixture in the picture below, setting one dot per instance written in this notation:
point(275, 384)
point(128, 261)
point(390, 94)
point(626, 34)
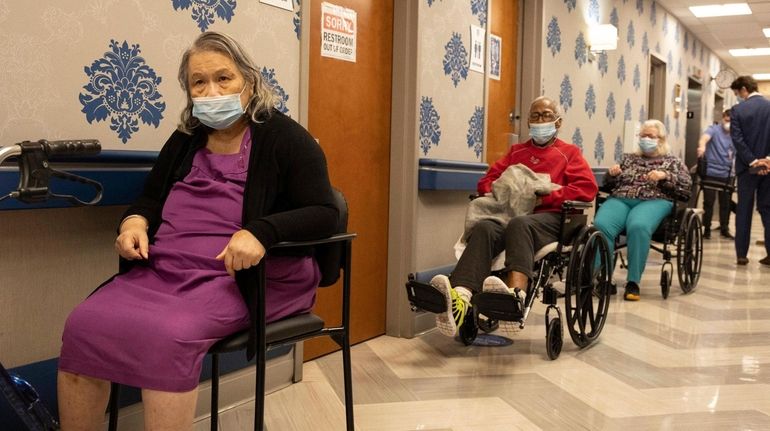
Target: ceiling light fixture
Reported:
point(728, 9)
point(749, 52)
point(761, 76)
point(766, 31)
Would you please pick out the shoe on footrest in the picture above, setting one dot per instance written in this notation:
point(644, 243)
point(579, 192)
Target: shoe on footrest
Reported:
point(493, 284)
point(448, 321)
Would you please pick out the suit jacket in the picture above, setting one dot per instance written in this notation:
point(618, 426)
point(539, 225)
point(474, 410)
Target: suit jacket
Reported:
point(750, 130)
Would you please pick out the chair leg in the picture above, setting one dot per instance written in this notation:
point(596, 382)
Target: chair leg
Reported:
point(113, 406)
point(259, 394)
point(348, 376)
point(214, 392)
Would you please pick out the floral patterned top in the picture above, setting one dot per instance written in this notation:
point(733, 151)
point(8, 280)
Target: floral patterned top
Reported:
point(632, 183)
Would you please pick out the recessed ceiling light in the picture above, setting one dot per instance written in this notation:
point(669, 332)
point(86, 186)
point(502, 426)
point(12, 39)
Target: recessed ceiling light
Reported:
point(748, 52)
point(728, 9)
point(761, 76)
point(767, 31)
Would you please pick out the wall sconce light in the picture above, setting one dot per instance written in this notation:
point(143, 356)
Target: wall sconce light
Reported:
point(602, 37)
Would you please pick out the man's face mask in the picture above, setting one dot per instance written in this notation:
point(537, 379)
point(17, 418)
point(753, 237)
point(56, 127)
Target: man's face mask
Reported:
point(218, 112)
point(542, 132)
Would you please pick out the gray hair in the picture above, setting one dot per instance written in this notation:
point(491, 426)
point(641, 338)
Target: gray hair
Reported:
point(262, 99)
point(663, 147)
point(556, 107)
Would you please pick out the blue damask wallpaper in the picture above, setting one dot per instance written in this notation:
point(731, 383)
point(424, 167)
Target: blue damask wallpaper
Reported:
point(618, 79)
point(451, 95)
point(108, 70)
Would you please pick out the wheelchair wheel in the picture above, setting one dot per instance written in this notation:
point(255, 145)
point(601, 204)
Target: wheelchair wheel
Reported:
point(665, 283)
point(468, 330)
point(689, 251)
point(488, 325)
point(553, 338)
point(587, 296)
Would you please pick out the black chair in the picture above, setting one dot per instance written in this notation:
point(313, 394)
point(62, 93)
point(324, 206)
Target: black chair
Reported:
point(332, 254)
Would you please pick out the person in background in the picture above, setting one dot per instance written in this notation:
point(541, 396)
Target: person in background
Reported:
point(715, 147)
point(640, 198)
point(523, 235)
point(750, 131)
point(236, 178)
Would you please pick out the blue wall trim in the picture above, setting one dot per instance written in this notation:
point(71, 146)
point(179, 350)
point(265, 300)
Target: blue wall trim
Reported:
point(121, 173)
point(437, 174)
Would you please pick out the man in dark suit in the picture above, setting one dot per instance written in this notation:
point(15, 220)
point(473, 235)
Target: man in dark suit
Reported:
point(750, 131)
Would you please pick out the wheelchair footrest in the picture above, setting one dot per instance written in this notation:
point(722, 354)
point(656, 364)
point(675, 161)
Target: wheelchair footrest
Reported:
point(425, 296)
point(498, 306)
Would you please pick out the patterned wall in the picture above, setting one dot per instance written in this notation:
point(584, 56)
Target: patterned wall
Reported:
point(599, 96)
point(107, 69)
point(451, 96)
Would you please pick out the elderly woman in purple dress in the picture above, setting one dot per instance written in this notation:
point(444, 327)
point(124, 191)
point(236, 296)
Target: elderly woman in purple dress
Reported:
point(234, 179)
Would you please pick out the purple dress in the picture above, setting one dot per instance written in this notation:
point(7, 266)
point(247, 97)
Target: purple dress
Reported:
point(151, 327)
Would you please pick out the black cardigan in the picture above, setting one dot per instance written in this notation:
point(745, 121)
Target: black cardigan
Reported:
point(287, 196)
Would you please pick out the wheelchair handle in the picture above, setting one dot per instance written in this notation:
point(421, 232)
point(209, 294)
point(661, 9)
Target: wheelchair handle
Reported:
point(80, 147)
point(569, 205)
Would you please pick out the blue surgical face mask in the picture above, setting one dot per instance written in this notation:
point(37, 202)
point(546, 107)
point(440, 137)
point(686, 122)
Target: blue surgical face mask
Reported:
point(542, 132)
point(218, 112)
point(648, 145)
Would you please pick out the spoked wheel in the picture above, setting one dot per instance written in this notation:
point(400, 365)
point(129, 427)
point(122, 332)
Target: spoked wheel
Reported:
point(587, 297)
point(689, 251)
point(468, 330)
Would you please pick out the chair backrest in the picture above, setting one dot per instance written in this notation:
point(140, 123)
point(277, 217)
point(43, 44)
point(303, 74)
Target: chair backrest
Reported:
point(329, 256)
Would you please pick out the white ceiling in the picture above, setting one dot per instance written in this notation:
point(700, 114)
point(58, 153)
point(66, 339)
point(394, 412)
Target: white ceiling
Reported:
point(723, 33)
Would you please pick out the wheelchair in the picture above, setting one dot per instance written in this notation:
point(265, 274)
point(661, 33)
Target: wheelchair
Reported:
point(580, 259)
point(681, 230)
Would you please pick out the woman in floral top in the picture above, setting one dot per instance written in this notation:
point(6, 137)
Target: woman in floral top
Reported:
point(642, 186)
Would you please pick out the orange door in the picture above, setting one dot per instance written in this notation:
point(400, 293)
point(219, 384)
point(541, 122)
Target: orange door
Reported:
point(502, 93)
point(349, 113)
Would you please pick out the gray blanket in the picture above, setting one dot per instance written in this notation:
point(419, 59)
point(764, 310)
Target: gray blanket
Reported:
point(514, 193)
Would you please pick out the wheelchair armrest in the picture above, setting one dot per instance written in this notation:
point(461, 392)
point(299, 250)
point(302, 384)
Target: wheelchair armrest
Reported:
point(347, 236)
point(576, 205)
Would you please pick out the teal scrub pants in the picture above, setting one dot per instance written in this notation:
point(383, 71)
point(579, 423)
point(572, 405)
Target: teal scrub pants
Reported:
point(639, 218)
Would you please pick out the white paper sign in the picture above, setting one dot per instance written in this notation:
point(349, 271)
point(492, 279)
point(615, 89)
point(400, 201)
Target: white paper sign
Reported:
point(338, 32)
point(477, 48)
point(283, 4)
point(495, 56)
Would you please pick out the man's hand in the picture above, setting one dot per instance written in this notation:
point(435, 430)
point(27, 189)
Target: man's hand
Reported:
point(132, 243)
point(243, 251)
point(701, 151)
point(614, 171)
point(656, 175)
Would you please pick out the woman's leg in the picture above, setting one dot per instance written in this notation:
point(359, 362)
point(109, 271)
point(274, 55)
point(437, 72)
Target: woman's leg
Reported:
point(643, 219)
point(709, 196)
point(82, 401)
point(169, 411)
point(611, 220)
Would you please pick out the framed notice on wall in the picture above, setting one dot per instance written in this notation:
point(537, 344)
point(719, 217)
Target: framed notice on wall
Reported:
point(338, 32)
point(477, 48)
point(495, 56)
point(283, 4)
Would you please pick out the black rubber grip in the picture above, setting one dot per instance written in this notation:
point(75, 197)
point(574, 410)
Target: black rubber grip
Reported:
point(79, 147)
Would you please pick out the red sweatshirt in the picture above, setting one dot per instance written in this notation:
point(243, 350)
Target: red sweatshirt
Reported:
point(562, 161)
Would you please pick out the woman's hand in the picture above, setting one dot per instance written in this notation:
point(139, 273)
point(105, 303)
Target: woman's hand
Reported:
point(614, 171)
point(656, 175)
point(243, 251)
point(132, 243)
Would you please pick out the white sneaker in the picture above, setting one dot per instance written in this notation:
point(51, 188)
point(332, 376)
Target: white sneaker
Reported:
point(456, 307)
point(493, 284)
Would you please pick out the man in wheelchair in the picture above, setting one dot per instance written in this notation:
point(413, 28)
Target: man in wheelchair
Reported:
point(522, 235)
point(642, 188)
